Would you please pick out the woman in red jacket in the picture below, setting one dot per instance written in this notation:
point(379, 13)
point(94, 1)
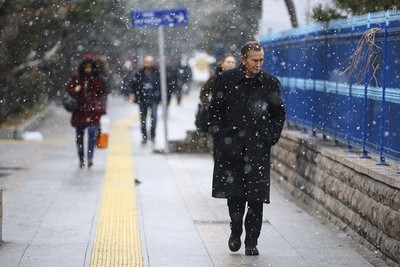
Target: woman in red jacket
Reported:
point(87, 86)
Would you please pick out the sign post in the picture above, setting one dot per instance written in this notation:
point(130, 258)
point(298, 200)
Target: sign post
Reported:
point(163, 79)
point(161, 19)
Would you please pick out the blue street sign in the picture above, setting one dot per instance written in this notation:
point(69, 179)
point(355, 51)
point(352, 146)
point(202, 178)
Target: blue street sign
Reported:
point(156, 18)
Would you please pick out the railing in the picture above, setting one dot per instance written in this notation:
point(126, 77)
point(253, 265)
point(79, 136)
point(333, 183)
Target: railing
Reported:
point(343, 80)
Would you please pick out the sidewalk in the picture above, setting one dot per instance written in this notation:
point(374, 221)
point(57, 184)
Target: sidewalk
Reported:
point(51, 206)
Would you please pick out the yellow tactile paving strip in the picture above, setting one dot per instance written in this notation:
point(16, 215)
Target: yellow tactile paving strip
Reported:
point(117, 241)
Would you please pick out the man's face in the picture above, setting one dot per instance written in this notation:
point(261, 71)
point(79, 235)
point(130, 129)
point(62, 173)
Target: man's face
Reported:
point(148, 62)
point(253, 62)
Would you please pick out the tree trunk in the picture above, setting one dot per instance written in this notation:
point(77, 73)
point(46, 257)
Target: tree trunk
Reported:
point(292, 13)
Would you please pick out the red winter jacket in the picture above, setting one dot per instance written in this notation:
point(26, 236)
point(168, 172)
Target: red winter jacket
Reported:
point(91, 99)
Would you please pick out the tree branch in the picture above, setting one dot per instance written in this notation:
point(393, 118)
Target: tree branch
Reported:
point(48, 55)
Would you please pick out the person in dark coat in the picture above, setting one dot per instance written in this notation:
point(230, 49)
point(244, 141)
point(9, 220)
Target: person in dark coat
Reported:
point(87, 86)
point(184, 80)
point(246, 118)
point(227, 62)
point(146, 91)
point(172, 82)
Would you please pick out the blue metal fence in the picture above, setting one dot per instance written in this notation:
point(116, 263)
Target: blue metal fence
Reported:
point(327, 88)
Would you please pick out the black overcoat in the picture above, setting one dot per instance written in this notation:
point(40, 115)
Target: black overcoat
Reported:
point(246, 119)
point(138, 87)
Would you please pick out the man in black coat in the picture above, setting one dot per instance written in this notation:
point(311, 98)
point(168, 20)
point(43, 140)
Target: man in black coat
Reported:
point(246, 118)
point(146, 91)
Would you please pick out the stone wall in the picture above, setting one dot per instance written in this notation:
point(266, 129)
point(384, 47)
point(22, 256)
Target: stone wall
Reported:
point(358, 195)
point(194, 142)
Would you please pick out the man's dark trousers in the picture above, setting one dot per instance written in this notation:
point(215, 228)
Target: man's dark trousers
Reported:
point(253, 220)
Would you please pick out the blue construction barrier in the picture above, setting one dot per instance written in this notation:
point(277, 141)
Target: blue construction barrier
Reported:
point(334, 85)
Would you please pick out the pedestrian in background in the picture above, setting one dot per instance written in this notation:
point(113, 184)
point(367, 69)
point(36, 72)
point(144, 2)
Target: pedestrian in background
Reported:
point(146, 91)
point(104, 71)
point(127, 75)
point(227, 62)
point(88, 87)
point(246, 118)
point(172, 82)
point(184, 80)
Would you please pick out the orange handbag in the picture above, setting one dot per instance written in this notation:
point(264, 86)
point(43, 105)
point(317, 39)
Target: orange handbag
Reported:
point(102, 135)
point(102, 140)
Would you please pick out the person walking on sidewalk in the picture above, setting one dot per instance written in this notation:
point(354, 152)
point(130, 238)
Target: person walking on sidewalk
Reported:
point(246, 118)
point(87, 86)
point(146, 91)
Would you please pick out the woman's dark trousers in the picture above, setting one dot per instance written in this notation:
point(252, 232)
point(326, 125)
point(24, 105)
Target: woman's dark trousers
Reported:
point(92, 135)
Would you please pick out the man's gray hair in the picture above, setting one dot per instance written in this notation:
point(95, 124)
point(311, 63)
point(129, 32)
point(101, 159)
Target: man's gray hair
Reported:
point(251, 46)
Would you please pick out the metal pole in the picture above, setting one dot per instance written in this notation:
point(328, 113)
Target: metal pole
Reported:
point(364, 154)
point(350, 99)
point(163, 79)
point(384, 114)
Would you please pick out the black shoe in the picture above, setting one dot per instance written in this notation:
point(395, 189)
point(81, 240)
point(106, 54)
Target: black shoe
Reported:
point(234, 243)
point(144, 142)
point(82, 165)
point(251, 251)
point(90, 164)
